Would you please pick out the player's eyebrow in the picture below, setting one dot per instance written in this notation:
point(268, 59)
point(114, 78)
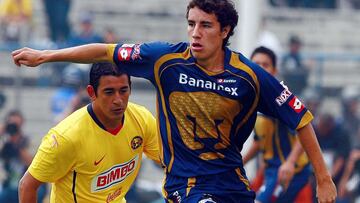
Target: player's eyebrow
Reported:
point(108, 89)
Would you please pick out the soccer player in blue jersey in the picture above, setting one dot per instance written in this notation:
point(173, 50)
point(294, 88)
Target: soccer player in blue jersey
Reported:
point(286, 166)
point(208, 97)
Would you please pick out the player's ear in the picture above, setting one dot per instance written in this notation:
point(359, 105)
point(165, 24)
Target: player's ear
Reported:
point(275, 70)
point(91, 92)
point(225, 31)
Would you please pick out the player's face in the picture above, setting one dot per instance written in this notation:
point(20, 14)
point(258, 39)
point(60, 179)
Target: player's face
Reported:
point(205, 34)
point(265, 62)
point(112, 98)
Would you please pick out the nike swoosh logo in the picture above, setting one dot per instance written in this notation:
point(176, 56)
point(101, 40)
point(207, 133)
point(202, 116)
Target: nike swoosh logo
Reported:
point(55, 142)
point(97, 162)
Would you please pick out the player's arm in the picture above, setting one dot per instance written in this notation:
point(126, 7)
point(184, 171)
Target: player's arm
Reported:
point(152, 137)
point(89, 53)
point(287, 169)
point(252, 152)
point(326, 190)
point(349, 168)
point(28, 186)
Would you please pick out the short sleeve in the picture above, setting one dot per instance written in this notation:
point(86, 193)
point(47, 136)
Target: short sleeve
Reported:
point(140, 60)
point(54, 158)
point(151, 147)
point(277, 100)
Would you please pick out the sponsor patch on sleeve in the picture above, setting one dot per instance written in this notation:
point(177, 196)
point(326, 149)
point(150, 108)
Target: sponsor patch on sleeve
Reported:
point(296, 104)
point(124, 52)
point(284, 96)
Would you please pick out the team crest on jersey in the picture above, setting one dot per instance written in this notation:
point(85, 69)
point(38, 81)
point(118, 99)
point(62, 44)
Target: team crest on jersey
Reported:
point(136, 142)
point(124, 52)
point(296, 104)
point(114, 175)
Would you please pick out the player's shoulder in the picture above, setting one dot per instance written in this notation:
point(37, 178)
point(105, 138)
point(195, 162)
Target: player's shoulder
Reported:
point(165, 47)
point(263, 118)
point(74, 122)
point(238, 63)
point(138, 110)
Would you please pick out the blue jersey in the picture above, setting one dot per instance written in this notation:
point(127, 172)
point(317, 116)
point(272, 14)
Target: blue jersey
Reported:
point(276, 142)
point(205, 117)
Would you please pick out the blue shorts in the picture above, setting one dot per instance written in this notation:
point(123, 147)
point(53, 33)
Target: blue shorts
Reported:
point(269, 192)
point(226, 187)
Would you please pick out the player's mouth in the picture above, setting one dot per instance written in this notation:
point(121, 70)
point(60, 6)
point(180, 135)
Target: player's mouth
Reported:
point(118, 110)
point(196, 47)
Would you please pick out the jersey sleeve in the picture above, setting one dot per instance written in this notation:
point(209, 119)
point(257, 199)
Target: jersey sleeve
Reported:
point(54, 158)
point(139, 60)
point(277, 100)
point(151, 146)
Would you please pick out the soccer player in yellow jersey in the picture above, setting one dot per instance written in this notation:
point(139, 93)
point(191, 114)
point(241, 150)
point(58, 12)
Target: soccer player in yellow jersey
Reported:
point(94, 154)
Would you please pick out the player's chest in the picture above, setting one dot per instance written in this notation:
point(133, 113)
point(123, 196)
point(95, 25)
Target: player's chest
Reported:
point(103, 151)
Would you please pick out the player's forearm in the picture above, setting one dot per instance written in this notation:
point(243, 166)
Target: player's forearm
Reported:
point(251, 152)
point(295, 153)
point(348, 171)
point(89, 53)
point(337, 166)
point(311, 146)
point(28, 186)
point(27, 194)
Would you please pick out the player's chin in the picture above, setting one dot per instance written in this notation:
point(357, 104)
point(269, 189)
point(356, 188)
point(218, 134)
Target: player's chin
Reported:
point(199, 56)
point(118, 115)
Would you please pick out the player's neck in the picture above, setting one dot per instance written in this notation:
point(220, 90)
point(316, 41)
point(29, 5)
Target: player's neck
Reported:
point(108, 123)
point(214, 63)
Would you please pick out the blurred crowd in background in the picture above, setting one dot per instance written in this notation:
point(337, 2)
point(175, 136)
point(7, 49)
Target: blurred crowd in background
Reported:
point(338, 134)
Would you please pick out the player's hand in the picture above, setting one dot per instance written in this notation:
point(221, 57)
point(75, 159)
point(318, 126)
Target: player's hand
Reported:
point(342, 191)
point(326, 191)
point(27, 56)
point(285, 174)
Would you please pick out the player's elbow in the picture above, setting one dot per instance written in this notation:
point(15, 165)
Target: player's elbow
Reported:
point(22, 186)
point(28, 187)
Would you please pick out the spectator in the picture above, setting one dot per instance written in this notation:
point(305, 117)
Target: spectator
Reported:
point(87, 33)
point(57, 12)
point(110, 36)
point(15, 18)
point(16, 157)
point(2, 99)
point(294, 72)
point(312, 3)
point(355, 4)
point(312, 99)
point(350, 104)
point(72, 78)
point(334, 142)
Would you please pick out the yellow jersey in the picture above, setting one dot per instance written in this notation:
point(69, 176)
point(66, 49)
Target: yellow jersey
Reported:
point(86, 163)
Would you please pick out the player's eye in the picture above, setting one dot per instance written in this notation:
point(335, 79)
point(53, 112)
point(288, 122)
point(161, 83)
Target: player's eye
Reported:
point(108, 92)
point(124, 90)
point(207, 25)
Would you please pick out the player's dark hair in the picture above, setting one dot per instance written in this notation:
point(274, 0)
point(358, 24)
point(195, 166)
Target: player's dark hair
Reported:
point(103, 69)
point(224, 10)
point(266, 51)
